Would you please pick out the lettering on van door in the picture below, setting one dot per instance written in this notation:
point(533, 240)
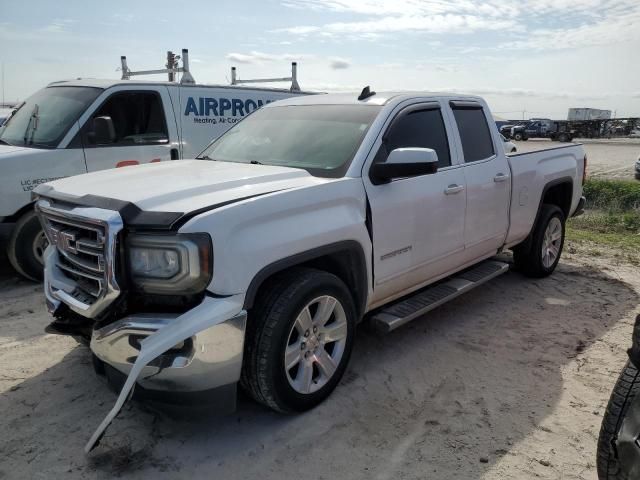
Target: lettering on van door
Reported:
point(213, 111)
point(29, 184)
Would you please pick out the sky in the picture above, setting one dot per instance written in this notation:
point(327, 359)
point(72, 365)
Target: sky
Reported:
point(531, 58)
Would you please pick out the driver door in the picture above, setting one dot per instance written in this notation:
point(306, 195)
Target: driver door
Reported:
point(417, 222)
point(143, 129)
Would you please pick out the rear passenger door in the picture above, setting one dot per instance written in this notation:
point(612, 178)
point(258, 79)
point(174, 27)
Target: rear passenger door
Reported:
point(487, 177)
point(417, 222)
point(144, 128)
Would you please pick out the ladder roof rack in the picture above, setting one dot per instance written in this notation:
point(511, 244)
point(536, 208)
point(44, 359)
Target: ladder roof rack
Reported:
point(171, 68)
point(295, 87)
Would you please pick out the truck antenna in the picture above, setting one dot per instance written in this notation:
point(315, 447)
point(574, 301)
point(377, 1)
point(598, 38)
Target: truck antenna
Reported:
point(366, 93)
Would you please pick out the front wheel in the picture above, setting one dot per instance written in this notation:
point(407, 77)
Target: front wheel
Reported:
point(26, 247)
point(518, 137)
point(541, 254)
point(299, 339)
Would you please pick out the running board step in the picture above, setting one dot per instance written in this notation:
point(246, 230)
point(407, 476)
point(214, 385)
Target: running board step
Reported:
point(403, 311)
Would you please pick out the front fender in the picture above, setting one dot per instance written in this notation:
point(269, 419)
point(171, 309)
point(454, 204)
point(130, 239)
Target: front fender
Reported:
point(253, 234)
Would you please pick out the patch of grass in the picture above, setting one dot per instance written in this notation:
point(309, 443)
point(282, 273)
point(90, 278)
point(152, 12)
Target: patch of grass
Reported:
point(608, 222)
point(611, 225)
point(612, 195)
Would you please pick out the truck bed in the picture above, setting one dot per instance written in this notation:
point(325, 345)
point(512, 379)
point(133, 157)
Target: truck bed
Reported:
point(531, 174)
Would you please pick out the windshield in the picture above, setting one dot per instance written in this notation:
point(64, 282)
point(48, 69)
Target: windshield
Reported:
point(46, 116)
point(321, 139)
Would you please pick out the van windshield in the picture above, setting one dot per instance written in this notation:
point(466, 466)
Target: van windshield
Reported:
point(46, 116)
point(321, 139)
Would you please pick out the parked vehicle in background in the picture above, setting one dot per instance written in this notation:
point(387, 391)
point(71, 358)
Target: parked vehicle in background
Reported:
point(81, 126)
point(539, 128)
point(618, 456)
point(254, 263)
point(509, 146)
point(588, 114)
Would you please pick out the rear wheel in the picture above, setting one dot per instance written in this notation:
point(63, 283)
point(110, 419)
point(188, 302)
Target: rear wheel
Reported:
point(299, 340)
point(626, 389)
point(540, 255)
point(26, 247)
point(518, 136)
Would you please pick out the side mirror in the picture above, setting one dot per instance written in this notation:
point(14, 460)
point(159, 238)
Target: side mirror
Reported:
point(104, 132)
point(405, 162)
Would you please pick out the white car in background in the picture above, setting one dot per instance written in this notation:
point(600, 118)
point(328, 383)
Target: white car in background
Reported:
point(508, 145)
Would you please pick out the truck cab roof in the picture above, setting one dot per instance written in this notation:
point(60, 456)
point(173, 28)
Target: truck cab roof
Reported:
point(379, 98)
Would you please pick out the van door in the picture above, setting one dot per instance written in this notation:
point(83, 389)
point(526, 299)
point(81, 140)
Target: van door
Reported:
point(487, 176)
point(417, 222)
point(130, 126)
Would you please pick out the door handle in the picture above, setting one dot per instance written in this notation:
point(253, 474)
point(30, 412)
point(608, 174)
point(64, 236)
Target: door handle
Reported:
point(501, 177)
point(451, 189)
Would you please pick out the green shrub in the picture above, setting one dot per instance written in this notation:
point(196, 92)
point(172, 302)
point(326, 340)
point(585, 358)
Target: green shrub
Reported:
point(612, 195)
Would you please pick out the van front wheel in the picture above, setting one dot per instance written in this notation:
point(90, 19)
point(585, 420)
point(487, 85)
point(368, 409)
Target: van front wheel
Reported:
point(26, 247)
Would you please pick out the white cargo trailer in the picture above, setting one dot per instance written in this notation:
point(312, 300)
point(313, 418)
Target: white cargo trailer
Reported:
point(85, 125)
point(588, 114)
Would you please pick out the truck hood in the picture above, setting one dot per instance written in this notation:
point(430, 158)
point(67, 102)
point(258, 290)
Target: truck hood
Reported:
point(180, 186)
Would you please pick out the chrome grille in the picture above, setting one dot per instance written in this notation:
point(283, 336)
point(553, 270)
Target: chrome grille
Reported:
point(79, 268)
point(80, 254)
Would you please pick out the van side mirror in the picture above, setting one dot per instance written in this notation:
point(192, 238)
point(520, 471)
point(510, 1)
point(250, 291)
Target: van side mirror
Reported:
point(405, 162)
point(104, 133)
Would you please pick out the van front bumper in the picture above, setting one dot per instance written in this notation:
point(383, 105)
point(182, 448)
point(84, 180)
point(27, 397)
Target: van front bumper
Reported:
point(208, 359)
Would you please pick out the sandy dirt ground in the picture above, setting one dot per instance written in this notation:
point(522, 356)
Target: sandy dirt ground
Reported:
point(613, 158)
point(509, 381)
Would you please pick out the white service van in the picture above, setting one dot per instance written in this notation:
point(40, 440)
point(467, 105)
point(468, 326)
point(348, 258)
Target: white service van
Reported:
point(81, 126)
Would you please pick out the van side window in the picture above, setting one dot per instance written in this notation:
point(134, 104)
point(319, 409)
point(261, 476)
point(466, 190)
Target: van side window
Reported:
point(418, 128)
point(474, 133)
point(137, 117)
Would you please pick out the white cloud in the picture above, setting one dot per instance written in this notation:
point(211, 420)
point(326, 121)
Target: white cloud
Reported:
point(338, 63)
point(255, 57)
point(592, 22)
point(58, 25)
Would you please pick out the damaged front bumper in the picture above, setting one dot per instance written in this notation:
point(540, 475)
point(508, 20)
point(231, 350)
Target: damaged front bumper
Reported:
point(197, 351)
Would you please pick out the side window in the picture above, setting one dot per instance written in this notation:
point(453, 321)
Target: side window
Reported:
point(419, 128)
point(137, 117)
point(474, 133)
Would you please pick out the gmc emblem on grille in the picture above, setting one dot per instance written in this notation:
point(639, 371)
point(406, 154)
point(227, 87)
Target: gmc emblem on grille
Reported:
point(65, 241)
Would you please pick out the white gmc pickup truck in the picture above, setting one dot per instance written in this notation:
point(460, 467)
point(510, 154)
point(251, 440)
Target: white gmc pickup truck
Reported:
point(253, 263)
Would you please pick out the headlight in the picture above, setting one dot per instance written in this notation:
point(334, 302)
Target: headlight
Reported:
point(178, 263)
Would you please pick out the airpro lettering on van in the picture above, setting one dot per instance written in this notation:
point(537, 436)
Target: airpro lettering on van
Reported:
point(223, 108)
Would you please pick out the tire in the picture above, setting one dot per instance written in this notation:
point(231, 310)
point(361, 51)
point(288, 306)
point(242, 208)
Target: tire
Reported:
point(274, 329)
point(563, 137)
point(513, 150)
point(625, 390)
point(530, 258)
point(26, 247)
point(518, 137)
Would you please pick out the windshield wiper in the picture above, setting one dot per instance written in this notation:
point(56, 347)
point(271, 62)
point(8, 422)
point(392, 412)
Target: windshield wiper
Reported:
point(256, 162)
point(5, 142)
point(32, 125)
point(205, 157)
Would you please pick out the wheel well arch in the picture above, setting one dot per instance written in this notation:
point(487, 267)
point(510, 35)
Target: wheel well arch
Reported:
point(345, 259)
point(559, 193)
point(19, 213)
